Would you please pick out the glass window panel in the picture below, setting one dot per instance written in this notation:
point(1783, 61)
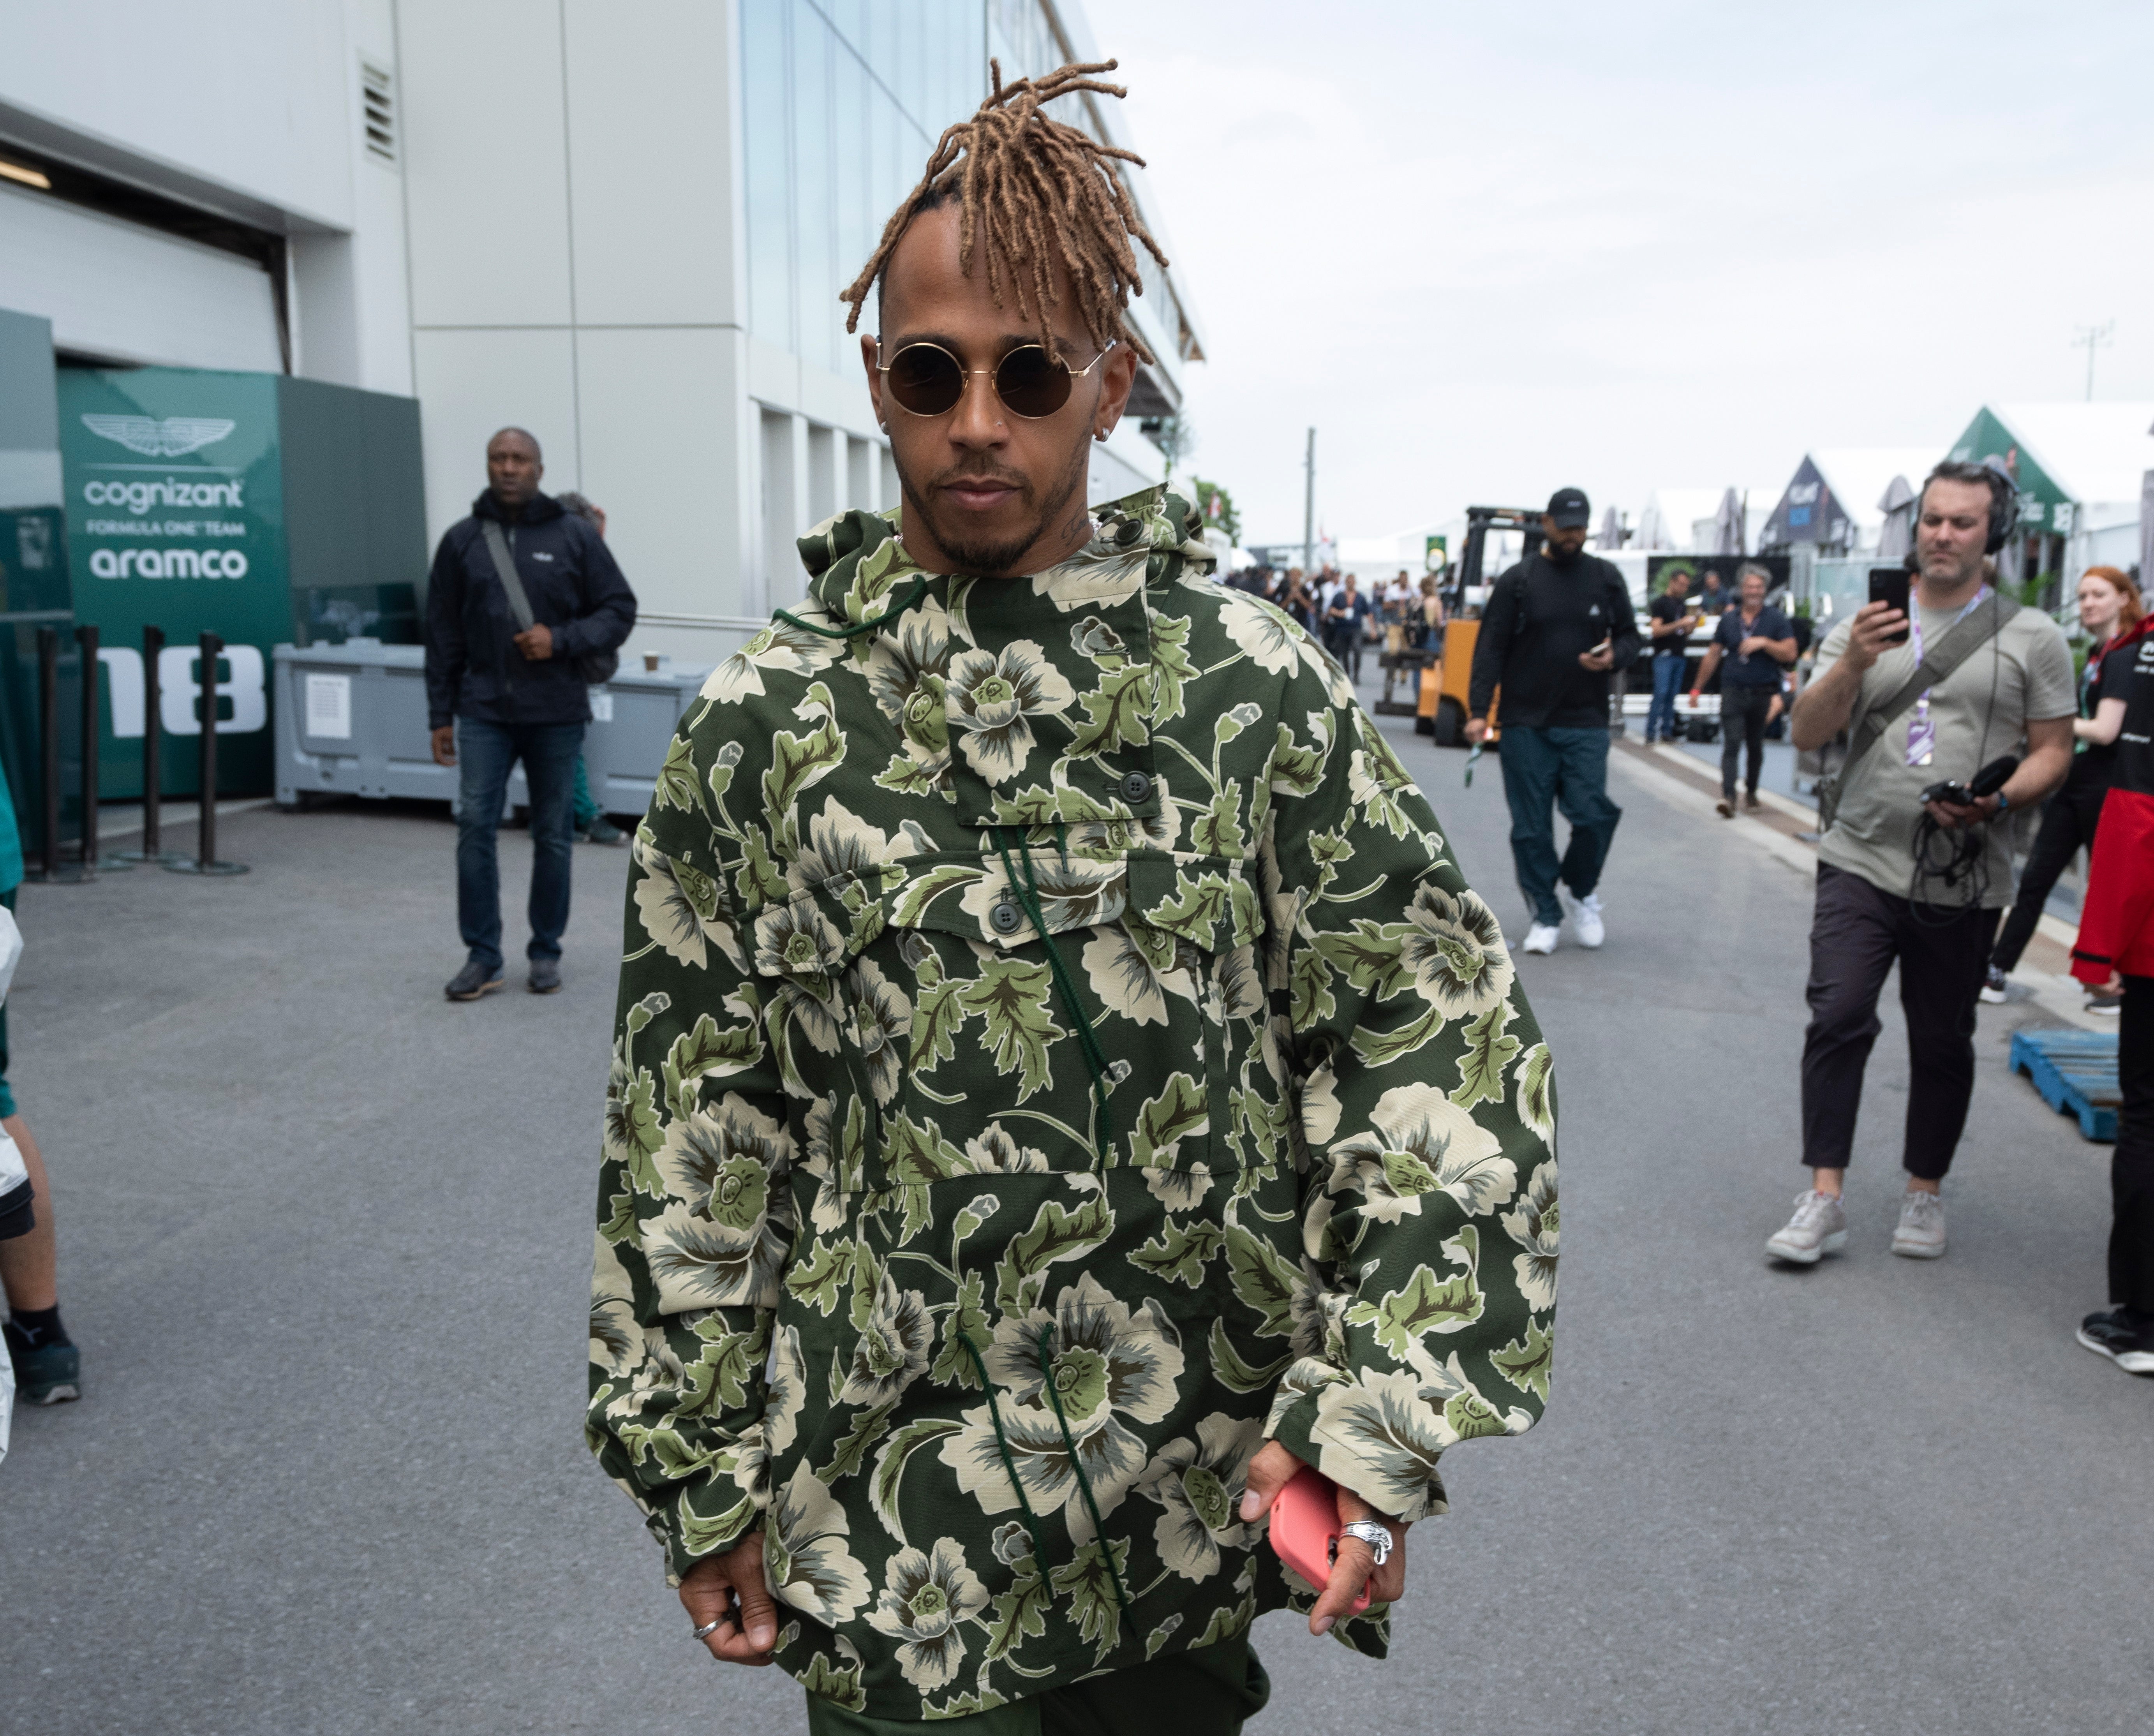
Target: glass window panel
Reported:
point(766, 131)
point(813, 195)
point(850, 138)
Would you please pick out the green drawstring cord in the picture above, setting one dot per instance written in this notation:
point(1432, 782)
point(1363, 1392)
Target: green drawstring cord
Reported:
point(886, 619)
point(1010, 1464)
point(1077, 1465)
point(1088, 1039)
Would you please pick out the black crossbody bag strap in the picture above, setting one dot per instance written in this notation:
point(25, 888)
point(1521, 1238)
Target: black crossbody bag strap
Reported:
point(505, 567)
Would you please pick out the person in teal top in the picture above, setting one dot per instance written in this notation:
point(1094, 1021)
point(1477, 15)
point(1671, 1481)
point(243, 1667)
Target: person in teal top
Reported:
point(47, 1365)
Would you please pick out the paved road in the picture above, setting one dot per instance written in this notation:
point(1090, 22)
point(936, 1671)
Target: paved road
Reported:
point(325, 1238)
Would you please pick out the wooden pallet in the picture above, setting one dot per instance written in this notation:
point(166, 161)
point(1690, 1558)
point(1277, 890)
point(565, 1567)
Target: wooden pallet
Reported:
point(2076, 1072)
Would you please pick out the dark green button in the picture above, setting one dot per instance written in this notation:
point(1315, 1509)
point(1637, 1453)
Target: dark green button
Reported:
point(1136, 789)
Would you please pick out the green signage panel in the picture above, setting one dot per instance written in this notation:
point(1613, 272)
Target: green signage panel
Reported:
point(176, 520)
point(2044, 505)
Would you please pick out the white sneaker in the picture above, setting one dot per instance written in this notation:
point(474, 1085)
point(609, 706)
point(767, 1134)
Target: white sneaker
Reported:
point(1819, 1228)
point(1992, 987)
point(1541, 937)
point(1585, 919)
point(1921, 1235)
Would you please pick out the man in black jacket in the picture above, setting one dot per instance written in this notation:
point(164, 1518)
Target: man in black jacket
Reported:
point(1556, 625)
point(501, 692)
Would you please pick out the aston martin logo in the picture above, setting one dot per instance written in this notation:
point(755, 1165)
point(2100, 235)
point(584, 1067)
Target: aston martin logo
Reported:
point(170, 438)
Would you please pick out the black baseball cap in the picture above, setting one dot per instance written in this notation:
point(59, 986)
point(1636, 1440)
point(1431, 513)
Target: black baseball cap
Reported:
point(1570, 509)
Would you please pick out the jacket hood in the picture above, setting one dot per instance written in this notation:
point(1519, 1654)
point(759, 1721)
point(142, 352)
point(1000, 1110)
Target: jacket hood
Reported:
point(856, 560)
point(537, 510)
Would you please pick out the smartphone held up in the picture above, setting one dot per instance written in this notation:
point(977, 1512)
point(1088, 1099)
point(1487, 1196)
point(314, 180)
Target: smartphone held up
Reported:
point(1892, 586)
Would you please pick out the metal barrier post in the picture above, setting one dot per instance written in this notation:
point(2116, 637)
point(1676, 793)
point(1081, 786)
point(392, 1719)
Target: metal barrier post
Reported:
point(48, 752)
point(153, 754)
point(204, 861)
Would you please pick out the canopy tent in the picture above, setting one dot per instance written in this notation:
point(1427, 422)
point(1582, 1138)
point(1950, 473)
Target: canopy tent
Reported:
point(2081, 470)
point(1836, 498)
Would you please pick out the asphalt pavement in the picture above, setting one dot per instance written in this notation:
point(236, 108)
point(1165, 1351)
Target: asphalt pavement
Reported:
point(325, 1238)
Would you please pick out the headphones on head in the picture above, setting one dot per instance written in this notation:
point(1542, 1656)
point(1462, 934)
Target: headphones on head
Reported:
point(2004, 501)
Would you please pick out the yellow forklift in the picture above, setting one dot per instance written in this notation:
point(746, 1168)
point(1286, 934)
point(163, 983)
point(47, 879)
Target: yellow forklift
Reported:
point(1445, 684)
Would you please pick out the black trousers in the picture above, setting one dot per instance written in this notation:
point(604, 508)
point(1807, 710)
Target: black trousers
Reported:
point(1743, 709)
point(2068, 819)
point(1856, 934)
point(2131, 1169)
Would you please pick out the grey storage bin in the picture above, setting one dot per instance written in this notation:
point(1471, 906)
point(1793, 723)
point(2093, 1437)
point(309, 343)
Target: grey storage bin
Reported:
point(351, 720)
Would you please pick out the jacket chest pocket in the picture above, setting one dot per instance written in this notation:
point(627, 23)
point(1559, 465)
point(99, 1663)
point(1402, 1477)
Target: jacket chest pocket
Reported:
point(945, 1035)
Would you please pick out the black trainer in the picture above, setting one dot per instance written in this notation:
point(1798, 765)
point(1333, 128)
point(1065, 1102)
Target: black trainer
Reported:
point(472, 981)
point(2125, 1335)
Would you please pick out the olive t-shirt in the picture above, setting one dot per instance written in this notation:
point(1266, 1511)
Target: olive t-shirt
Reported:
point(1981, 710)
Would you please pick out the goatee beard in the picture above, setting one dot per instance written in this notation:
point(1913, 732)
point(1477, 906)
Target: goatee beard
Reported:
point(999, 558)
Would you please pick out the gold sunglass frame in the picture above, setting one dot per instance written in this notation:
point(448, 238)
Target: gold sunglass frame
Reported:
point(965, 373)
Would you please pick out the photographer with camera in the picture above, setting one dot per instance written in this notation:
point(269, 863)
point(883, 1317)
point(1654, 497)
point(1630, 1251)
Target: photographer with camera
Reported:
point(1909, 868)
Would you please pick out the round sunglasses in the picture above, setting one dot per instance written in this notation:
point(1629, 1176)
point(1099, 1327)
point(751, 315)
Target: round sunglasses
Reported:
point(928, 380)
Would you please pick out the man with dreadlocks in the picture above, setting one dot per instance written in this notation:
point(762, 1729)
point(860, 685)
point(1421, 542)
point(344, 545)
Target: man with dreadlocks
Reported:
point(1063, 1085)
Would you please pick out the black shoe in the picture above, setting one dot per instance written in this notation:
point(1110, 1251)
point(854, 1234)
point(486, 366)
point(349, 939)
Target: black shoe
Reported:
point(545, 976)
point(472, 981)
point(50, 1375)
point(2125, 1335)
point(602, 831)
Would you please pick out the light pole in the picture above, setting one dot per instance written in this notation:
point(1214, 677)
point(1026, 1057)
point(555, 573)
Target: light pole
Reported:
point(2090, 339)
point(1309, 511)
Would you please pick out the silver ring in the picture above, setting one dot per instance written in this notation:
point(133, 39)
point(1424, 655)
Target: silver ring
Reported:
point(1377, 1537)
point(708, 1629)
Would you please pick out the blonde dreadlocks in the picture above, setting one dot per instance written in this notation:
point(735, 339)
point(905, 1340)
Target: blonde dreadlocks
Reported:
point(1028, 183)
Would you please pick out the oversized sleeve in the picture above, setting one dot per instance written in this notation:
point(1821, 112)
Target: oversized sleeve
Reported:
point(445, 634)
point(695, 1214)
point(1491, 644)
point(1423, 1122)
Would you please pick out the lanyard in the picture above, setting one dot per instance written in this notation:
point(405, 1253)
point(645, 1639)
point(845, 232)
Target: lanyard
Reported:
point(1922, 732)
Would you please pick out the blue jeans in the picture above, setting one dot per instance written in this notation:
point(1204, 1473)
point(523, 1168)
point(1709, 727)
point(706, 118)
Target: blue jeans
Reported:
point(1548, 768)
point(1667, 682)
point(485, 754)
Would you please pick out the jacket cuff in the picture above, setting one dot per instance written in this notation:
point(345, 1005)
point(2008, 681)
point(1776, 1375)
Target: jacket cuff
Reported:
point(1295, 1424)
point(713, 1511)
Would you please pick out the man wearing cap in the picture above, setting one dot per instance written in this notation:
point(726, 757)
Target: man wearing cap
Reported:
point(1556, 625)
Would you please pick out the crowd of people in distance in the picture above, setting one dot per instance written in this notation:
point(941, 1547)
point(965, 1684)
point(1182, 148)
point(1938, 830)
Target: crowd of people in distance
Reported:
point(1345, 619)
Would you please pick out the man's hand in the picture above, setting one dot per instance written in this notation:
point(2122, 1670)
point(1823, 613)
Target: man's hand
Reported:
point(1877, 624)
point(1270, 1472)
point(445, 745)
point(1756, 641)
point(730, 1591)
point(1954, 818)
point(535, 641)
point(1601, 658)
point(1477, 731)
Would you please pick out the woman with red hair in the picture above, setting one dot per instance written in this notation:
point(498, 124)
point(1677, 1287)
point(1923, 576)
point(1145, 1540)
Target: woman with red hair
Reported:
point(2109, 609)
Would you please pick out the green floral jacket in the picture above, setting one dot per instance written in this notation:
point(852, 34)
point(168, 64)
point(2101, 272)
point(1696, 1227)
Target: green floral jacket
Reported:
point(1056, 1053)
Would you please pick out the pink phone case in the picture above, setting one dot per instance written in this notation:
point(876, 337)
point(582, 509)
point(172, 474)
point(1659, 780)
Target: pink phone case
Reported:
point(1304, 1528)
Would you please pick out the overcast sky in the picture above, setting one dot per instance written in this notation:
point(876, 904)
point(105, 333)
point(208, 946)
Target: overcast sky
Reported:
point(1489, 250)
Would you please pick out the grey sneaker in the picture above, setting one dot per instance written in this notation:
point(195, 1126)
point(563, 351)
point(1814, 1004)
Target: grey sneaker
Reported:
point(1817, 1228)
point(545, 976)
point(603, 830)
point(1921, 1235)
point(472, 981)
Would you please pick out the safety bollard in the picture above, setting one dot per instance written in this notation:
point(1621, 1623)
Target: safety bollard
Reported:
point(153, 754)
point(204, 861)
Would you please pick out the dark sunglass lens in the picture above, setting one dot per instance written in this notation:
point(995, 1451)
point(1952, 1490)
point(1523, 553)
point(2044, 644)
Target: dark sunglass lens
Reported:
point(926, 380)
point(1031, 383)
